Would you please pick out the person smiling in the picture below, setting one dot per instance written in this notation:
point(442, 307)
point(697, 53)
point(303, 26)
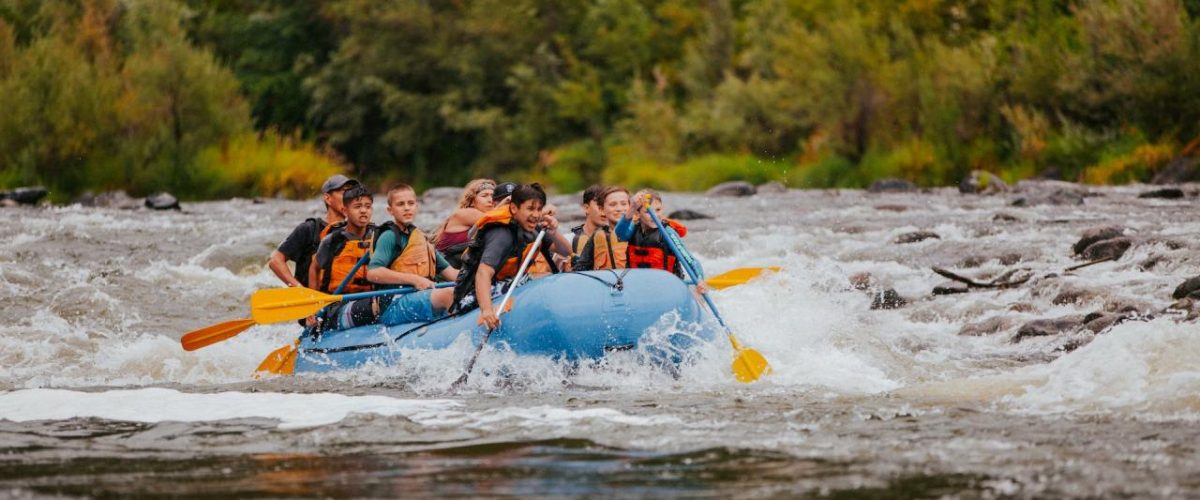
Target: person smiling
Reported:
point(498, 243)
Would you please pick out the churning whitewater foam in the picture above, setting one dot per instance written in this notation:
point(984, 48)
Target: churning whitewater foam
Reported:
point(293, 411)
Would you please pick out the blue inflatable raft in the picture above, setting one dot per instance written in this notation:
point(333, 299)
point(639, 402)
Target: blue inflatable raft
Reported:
point(568, 316)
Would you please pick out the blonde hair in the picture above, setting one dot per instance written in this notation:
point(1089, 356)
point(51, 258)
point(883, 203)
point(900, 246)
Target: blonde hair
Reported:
point(467, 200)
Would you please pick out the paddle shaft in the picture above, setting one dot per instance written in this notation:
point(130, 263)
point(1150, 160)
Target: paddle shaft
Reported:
point(687, 268)
point(533, 250)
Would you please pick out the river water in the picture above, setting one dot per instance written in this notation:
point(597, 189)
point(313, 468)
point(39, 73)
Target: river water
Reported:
point(98, 399)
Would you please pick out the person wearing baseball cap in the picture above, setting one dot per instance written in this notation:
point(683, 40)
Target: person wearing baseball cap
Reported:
point(301, 244)
point(503, 192)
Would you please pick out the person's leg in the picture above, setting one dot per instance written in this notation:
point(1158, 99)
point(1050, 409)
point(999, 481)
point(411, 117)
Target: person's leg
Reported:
point(354, 313)
point(411, 308)
point(441, 299)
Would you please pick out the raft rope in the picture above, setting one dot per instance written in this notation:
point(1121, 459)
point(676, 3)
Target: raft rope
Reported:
point(619, 285)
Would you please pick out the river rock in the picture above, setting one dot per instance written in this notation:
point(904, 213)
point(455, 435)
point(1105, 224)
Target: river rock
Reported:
point(981, 182)
point(951, 288)
point(1092, 235)
point(990, 326)
point(1073, 296)
point(1044, 327)
point(892, 186)
point(732, 188)
point(1003, 217)
point(887, 299)
point(686, 214)
point(25, 195)
point(1100, 322)
point(1112, 248)
point(443, 193)
point(773, 187)
point(1164, 193)
point(1179, 170)
point(162, 201)
point(1188, 288)
point(915, 236)
point(1047, 192)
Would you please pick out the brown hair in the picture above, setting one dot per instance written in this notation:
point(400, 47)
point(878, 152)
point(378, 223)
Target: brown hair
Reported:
point(609, 191)
point(397, 188)
point(647, 191)
point(467, 200)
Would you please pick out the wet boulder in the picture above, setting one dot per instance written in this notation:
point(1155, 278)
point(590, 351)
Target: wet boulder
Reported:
point(1112, 248)
point(162, 201)
point(1046, 327)
point(892, 186)
point(1046, 192)
point(1092, 235)
point(1004, 217)
point(887, 299)
point(1189, 288)
point(981, 182)
point(686, 214)
point(732, 188)
point(24, 195)
point(773, 187)
point(915, 237)
point(1100, 322)
point(1164, 193)
point(951, 288)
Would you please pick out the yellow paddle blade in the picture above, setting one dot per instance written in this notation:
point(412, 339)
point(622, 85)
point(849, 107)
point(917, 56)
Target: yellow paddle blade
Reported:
point(273, 305)
point(212, 334)
point(748, 364)
point(281, 361)
point(737, 276)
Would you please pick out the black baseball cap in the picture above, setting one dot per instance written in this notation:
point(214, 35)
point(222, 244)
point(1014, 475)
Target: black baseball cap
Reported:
point(503, 190)
point(337, 182)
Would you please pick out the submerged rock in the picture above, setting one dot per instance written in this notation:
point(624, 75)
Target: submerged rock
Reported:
point(1164, 193)
point(686, 214)
point(1003, 217)
point(892, 186)
point(1073, 296)
point(1112, 248)
point(162, 201)
point(110, 199)
point(990, 326)
point(732, 188)
point(24, 195)
point(981, 182)
point(1094, 234)
point(916, 236)
point(1044, 327)
point(861, 281)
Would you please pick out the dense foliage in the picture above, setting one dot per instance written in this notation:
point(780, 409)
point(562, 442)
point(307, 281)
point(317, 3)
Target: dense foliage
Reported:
point(671, 93)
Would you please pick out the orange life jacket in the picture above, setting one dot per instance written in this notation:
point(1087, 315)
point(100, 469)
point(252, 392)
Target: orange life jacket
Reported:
point(607, 252)
point(418, 257)
point(651, 250)
point(346, 254)
point(497, 217)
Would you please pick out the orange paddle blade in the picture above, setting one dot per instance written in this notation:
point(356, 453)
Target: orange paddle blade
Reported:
point(738, 276)
point(212, 334)
point(281, 361)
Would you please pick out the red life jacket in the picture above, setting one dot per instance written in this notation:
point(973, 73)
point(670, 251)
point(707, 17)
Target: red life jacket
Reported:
point(651, 251)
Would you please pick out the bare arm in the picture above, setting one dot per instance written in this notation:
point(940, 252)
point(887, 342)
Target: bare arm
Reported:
point(483, 296)
point(278, 265)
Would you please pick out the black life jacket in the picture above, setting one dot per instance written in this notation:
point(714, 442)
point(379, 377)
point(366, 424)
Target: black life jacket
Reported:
point(473, 255)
